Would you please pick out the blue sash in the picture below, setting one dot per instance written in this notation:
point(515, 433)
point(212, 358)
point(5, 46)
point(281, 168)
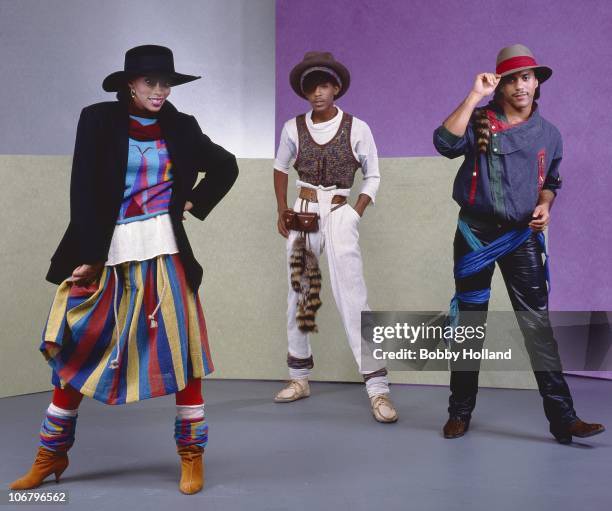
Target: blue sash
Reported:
point(483, 256)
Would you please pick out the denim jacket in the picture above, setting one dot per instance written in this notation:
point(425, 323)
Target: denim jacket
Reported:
point(504, 183)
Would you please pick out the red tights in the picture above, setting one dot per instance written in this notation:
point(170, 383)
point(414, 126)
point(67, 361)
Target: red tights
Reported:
point(69, 398)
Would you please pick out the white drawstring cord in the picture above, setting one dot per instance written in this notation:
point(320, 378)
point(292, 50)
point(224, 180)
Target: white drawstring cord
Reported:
point(114, 363)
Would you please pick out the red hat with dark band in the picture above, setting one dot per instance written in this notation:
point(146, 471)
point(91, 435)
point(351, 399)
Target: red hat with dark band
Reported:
point(517, 57)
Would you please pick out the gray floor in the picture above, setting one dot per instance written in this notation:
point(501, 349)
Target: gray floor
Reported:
point(326, 452)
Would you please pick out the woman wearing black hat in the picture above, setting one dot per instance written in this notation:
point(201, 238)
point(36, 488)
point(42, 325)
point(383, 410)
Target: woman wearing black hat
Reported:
point(126, 323)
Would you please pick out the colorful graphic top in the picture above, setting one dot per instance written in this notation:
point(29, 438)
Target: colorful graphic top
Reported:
point(148, 180)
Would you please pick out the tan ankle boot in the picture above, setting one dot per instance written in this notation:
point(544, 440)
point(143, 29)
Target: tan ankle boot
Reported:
point(192, 469)
point(46, 463)
point(294, 390)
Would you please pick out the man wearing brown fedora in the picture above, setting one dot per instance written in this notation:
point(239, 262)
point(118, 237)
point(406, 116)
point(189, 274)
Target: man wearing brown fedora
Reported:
point(506, 186)
point(328, 146)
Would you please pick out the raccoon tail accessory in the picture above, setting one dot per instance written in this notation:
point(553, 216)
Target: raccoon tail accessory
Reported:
point(482, 129)
point(306, 281)
point(296, 262)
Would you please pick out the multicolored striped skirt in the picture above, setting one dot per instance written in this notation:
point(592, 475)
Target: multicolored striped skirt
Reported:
point(139, 332)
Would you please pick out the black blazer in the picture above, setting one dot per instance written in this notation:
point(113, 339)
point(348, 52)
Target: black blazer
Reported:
point(98, 180)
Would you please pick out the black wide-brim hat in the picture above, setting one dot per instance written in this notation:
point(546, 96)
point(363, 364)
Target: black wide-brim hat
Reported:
point(319, 61)
point(145, 60)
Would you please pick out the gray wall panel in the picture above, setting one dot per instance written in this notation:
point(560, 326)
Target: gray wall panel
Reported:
point(55, 54)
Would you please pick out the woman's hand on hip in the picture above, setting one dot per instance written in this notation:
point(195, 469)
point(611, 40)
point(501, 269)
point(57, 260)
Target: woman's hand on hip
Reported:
point(188, 206)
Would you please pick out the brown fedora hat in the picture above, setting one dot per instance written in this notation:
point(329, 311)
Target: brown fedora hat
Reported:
point(518, 57)
point(319, 61)
point(145, 60)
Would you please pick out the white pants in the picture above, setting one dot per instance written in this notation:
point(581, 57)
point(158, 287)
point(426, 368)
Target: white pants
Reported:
point(338, 235)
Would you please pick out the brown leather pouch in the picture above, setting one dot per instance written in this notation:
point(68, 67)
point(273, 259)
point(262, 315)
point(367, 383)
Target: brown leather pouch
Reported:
point(301, 221)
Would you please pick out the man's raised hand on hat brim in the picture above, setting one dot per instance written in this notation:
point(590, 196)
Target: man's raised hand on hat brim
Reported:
point(485, 84)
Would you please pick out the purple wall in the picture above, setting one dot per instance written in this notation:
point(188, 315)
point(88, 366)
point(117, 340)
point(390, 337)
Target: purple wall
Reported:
point(413, 62)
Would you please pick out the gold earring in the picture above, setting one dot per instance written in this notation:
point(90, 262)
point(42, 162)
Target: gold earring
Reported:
point(133, 93)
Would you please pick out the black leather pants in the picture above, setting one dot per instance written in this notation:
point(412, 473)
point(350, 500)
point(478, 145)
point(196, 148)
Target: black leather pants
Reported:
point(524, 275)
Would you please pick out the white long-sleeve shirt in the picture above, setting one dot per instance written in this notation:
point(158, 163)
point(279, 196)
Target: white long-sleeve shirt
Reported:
point(362, 144)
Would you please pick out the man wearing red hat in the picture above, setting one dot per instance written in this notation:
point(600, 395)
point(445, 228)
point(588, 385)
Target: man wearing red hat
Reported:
point(506, 186)
point(328, 146)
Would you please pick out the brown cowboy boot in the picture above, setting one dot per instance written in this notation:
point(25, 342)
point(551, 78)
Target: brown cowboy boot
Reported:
point(585, 429)
point(46, 463)
point(456, 427)
point(192, 469)
point(579, 429)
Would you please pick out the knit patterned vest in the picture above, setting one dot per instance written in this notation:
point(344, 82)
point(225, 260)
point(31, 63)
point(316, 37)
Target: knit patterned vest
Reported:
point(327, 164)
